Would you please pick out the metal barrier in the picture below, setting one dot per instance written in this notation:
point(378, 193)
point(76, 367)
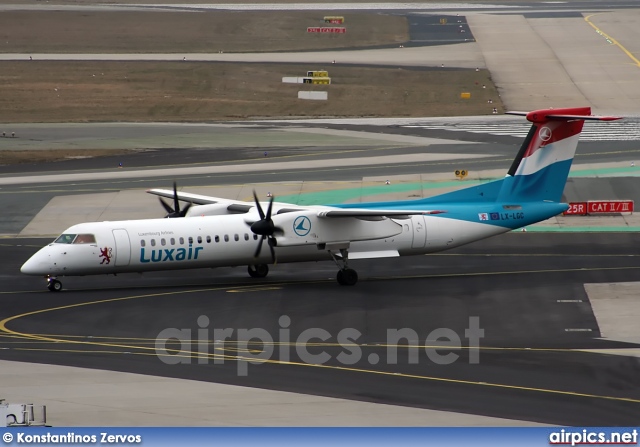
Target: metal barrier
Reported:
point(22, 415)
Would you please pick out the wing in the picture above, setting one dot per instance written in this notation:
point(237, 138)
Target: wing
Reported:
point(374, 213)
point(224, 206)
point(196, 199)
point(219, 205)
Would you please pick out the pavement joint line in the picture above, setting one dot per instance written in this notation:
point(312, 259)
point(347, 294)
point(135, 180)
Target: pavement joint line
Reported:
point(614, 41)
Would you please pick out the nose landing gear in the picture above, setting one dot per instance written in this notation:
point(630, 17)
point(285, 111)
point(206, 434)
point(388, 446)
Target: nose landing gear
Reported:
point(258, 270)
point(53, 284)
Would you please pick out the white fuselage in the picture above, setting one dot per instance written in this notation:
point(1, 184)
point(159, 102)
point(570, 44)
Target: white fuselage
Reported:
point(216, 241)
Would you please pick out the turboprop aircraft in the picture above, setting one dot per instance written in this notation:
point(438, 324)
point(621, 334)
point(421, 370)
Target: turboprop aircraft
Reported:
point(214, 232)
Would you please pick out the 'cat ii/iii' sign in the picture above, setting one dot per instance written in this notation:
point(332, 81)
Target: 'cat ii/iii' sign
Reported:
point(600, 207)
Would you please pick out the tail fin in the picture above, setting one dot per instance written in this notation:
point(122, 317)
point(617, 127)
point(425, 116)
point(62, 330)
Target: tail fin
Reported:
point(541, 168)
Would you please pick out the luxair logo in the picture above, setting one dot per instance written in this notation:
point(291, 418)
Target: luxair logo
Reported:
point(302, 225)
point(169, 254)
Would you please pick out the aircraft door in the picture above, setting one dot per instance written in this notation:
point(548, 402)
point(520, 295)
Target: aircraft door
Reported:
point(419, 231)
point(123, 247)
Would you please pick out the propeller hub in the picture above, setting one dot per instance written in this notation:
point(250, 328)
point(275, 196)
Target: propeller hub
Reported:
point(263, 227)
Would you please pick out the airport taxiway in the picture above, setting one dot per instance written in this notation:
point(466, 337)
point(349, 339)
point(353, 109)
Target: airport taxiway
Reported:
point(526, 290)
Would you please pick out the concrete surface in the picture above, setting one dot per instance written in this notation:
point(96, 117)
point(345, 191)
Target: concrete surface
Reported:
point(184, 135)
point(465, 55)
point(560, 62)
point(86, 397)
point(616, 306)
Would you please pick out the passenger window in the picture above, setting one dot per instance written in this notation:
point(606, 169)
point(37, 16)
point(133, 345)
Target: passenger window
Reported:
point(65, 239)
point(190, 240)
point(173, 241)
point(226, 238)
point(255, 237)
point(246, 237)
point(153, 242)
point(143, 243)
point(163, 242)
point(236, 238)
point(199, 239)
point(181, 241)
point(85, 239)
point(217, 239)
point(208, 239)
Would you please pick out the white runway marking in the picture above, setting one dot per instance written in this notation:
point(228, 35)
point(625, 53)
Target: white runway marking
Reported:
point(627, 129)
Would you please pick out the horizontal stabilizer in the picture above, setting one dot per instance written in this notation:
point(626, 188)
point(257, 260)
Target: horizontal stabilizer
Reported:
point(539, 116)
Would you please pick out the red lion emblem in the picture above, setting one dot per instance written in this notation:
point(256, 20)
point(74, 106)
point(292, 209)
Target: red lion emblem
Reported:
point(105, 254)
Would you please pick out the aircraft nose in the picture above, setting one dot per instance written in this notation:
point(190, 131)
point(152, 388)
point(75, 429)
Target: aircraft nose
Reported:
point(35, 266)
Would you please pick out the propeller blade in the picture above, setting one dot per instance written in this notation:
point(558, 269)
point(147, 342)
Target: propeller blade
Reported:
point(258, 248)
point(269, 209)
point(255, 196)
point(166, 206)
point(273, 253)
point(176, 203)
point(185, 210)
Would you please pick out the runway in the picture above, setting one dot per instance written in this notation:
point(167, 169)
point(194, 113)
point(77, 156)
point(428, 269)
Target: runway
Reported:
point(530, 364)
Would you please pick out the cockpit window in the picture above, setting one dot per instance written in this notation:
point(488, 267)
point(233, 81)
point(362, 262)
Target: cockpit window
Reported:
point(85, 239)
point(65, 239)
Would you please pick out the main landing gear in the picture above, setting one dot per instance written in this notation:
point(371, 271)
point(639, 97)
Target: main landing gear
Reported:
point(345, 276)
point(53, 284)
point(258, 270)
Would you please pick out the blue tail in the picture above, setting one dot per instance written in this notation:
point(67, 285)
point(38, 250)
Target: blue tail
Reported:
point(540, 170)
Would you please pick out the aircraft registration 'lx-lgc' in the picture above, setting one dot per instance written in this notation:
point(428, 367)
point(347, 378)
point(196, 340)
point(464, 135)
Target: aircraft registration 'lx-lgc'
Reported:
point(214, 232)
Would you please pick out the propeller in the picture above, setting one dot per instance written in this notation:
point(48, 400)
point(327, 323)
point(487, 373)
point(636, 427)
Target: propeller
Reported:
point(175, 211)
point(265, 228)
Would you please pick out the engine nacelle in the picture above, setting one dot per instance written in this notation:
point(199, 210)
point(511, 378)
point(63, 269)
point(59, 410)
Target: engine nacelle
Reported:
point(304, 228)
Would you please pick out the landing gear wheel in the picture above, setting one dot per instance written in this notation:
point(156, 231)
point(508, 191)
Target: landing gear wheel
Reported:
point(347, 277)
point(54, 285)
point(258, 271)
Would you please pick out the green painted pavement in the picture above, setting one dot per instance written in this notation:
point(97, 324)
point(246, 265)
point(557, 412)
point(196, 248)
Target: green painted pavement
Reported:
point(585, 229)
point(632, 171)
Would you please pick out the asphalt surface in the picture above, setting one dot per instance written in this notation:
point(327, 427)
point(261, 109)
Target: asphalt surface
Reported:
point(523, 288)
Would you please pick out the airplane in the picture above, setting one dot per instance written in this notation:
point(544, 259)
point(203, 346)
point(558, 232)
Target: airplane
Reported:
point(213, 232)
